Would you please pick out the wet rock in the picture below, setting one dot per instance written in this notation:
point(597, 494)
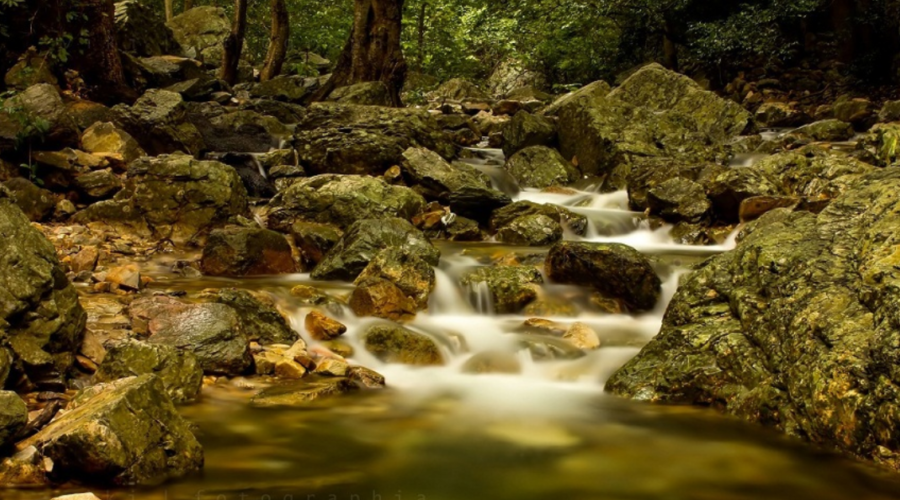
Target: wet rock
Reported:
point(526, 130)
point(757, 206)
point(531, 230)
point(259, 316)
point(582, 336)
point(492, 362)
point(13, 417)
point(435, 178)
point(654, 113)
point(244, 130)
point(341, 200)
point(679, 199)
point(302, 393)
point(37, 203)
point(730, 188)
point(779, 115)
point(141, 30)
point(362, 242)
point(505, 216)
point(614, 269)
point(41, 320)
point(99, 184)
point(458, 89)
point(212, 332)
point(411, 274)
point(85, 260)
point(331, 367)
point(792, 329)
point(541, 167)
point(106, 138)
point(26, 468)
point(395, 344)
point(202, 31)
point(380, 298)
point(508, 289)
point(543, 349)
point(125, 432)
point(366, 378)
point(477, 203)
point(314, 241)
point(648, 173)
point(127, 277)
point(165, 72)
point(42, 104)
point(157, 120)
point(826, 131)
point(179, 371)
point(321, 327)
point(890, 112)
point(289, 369)
point(595, 89)
point(174, 197)
point(202, 88)
point(240, 251)
point(78, 496)
point(858, 112)
point(366, 94)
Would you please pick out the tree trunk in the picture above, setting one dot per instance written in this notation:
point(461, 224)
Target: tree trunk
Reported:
point(102, 67)
point(373, 52)
point(234, 44)
point(188, 5)
point(420, 56)
point(170, 10)
point(278, 41)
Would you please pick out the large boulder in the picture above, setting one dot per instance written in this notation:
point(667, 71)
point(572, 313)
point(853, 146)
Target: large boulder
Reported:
point(504, 289)
point(36, 114)
point(122, 433)
point(410, 273)
point(242, 251)
point(655, 112)
point(158, 121)
point(351, 139)
point(616, 270)
point(36, 202)
point(458, 89)
point(525, 130)
point(795, 328)
point(533, 230)
point(365, 94)
point(595, 89)
point(142, 31)
point(541, 167)
point(505, 216)
point(179, 371)
point(341, 200)
point(108, 139)
point(13, 417)
point(174, 197)
point(260, 318)
point(365, 239)
point(41, 320)
point(435, 178)
point(202, 31)
point(395, 344)
point(243, 131)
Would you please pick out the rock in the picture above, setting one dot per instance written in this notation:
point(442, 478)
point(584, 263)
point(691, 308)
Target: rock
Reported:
point(243, 130)
point(289, 369)
point(434, 178)
point(321, 327)
point(158, 121)
point(648, 173)
point(127, 277)
point(826, 131)
point(179, 371)
point(511, 74)
point(164, 72)
point(41, 320)
point(365, 239)
point(78, 496)
point(31, 69)
point(884, 143)
point(506, 289)
point(757, 206)
point(411, 274)
point(141, 31)
point(366, 94)
point(85, 260)
point(37, 203)
point(302, 393)
point(212, 332)
point(13, 417)
point(890, 112)
point(505, 216)
point(792, 329)
point(286, 88)
point(526, 130)
point(780, 115)
point(202, 88)
point(309, 61)
point(380, 298)
point(591, 90)
point(241, 251)
point(395, 344)
point(259, 316)
point(314, 241)
point(42, 107)
point(477, 203)
point(99, 184)
point(541, 167)
point(531, 230)
point(348, 139)
point(125, 432)
point(202, 31)
point(492, 362)
point(341, 201)
point(582, 336)
point(614, 269)
point(730, 188)
point(858, 112)
point(654, 113)
point(679, 199)
point(331, 367)
point(105, 137)
point(458, 89)
point(154, 201)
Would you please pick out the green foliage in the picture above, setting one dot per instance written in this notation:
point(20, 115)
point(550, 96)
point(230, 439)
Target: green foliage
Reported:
point(29, 129)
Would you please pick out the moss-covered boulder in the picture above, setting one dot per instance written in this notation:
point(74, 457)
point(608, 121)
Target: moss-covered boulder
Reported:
point(796, 328)
point(434, 178)
point(395, 344)
point(505, 216)
point(123, 433)
point(594, 89)
point(533, 230)
point(242, 251)
point(526, 130)
point(13, 417)
point(41, 320)
point(503, 290)
point(380, 298)
point(541, 167)
point(364, 94)
point(614, 269)
point(202, 31)
point(107, 139)
point(36, 202)
point(260, 318)
point(365, 239)
point(41, 105)
point(179, 371)
point(410, 273)
point(679, 199)
point(174, 197)
point(341, 200)
point(826, 130)
point(158, 121)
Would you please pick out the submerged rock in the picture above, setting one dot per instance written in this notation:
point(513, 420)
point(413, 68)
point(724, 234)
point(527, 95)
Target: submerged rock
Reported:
point(179, 371)
point(614, 269)
point(302, 393)
point(240, 251)
point(508, 288)
point(395, 344)
point(795, 328)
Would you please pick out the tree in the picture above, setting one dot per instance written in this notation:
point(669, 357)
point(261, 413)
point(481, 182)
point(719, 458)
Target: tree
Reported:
point(278, 41)
point(170, 10)
point(234, 44)
point(101, 67)
point(373, 52)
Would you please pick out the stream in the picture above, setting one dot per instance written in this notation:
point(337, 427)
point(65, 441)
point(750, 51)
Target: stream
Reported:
point(543, 430)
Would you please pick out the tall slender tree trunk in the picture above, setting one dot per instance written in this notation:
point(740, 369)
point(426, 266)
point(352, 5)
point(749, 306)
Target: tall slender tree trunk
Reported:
point(170, 10)
point(420, 49)
point(278, 41)
point(188, 5)
point(234, 44)
point(373, 52)
point(102, 67)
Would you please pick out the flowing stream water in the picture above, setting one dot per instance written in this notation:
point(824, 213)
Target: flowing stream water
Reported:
point(545, 431)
